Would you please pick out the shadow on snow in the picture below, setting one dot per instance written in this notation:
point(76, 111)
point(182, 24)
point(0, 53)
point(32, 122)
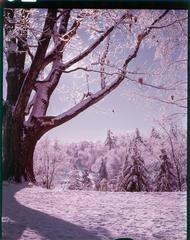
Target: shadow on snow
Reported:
point(42, 224)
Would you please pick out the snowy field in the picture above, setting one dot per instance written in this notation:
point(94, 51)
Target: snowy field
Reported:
point(33, 213)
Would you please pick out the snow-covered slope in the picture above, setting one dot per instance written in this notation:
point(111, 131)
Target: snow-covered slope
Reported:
point(33, 213)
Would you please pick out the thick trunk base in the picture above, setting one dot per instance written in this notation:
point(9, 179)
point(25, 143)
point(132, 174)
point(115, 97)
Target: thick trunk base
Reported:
point(17, 152)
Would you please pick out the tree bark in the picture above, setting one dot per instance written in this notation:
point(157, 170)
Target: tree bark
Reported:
point(17, 150)
point(12, 131)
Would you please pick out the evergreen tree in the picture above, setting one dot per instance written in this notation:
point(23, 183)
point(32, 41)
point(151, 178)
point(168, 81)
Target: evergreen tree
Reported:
point(110, 140)
point(102, 173)
point(155, 134)
point(85, 180)
point(138, 137)
point(166, 180)
point(75, 180)
point(134, 174)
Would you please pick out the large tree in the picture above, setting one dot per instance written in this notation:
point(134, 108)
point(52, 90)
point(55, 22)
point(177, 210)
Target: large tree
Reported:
point(43, 47)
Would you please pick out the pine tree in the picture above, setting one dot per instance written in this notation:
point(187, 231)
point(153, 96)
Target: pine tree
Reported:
point(110, 140)
point(102, 176)
point(85, 180)
point(134, 174)
point(166, 180)
point(102, 173)
point(138, 137)
point(75, 180)
point(155, 134)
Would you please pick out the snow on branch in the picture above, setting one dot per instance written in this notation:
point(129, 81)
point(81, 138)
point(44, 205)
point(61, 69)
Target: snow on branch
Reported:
point(118, 73)
point(172, 102)
point(170, 24)
point(47, 87)
point(30, 105)
point(51, 122)
point(64, 38)
point(94, 45)
point(36, 63)
point(102, 63)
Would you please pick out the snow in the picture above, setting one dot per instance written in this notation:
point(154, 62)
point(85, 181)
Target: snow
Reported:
point(31, 212)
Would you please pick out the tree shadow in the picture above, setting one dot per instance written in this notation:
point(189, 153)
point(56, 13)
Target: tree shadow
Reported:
point(18, 218)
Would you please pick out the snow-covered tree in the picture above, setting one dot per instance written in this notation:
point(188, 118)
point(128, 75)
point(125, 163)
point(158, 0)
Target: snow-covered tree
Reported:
point(155, 134)
point(44, 46)
point(102, 173)
point(99, 170)
point(176, 144)
point(114, 161)
point(134, 177)
point(166, 180)
point(91, 166)
point(110, 140)
point(74, 180)
point(138, 137)
point(47, 157)
point(79, 180)
point(86, 181)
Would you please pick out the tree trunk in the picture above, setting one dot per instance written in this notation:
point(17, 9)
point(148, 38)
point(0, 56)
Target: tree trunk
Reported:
point(17, 149)
point(28, 147)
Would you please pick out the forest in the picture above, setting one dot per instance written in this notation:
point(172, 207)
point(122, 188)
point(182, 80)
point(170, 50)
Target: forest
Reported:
point(129, 162)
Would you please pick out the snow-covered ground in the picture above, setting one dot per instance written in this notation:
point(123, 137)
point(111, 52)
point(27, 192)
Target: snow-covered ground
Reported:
point(33, 213)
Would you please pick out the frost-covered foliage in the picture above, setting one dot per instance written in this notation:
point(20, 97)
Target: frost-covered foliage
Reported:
point(79, 180)
point(110, 140)
point(90, 60)
point(166, 180)
point(134, 177)
point(136, 163)
point(47, 156)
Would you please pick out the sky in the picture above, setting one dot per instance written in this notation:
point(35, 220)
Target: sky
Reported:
point(116, 111)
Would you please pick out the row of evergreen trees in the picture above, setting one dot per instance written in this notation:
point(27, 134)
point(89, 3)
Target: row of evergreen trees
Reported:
point(135, 176)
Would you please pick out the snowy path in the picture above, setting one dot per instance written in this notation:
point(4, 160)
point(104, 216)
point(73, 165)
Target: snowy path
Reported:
point(40, 214)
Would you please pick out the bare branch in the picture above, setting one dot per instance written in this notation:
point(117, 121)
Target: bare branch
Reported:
point(118, 73)
point(169, 24)
point(150, 85)
point(164, 101)
point(102, 63)
point(175, 159)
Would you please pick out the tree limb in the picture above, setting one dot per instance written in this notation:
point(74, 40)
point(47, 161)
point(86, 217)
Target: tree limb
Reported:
point(169, 24)
point(94, 45)
point(36, 64)
point(165, 101)
point(118, 73)
point(44, 89)
point(66, 36)
point(48, 123)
